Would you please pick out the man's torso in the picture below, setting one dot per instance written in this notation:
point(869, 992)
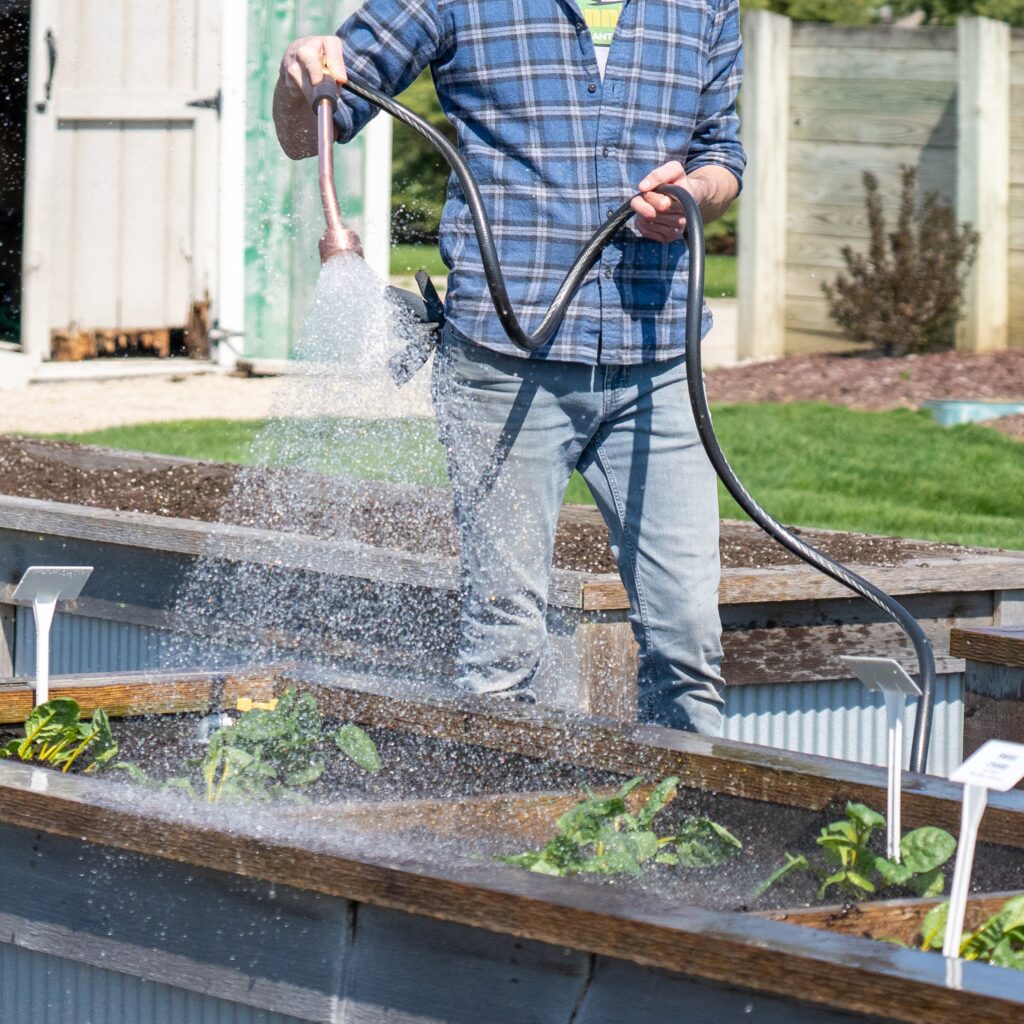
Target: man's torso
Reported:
point(555, 148)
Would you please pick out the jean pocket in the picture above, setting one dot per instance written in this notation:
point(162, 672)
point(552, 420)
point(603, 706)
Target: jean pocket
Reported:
point(473, 366)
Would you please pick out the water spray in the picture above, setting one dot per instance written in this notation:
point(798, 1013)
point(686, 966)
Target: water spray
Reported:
point(340, 239)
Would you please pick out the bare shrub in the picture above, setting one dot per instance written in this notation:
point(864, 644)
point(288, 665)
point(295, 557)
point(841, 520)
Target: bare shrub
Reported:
point(906, 293)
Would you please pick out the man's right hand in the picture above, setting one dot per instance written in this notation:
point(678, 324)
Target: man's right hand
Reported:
point(307, 60)
point(303, 67)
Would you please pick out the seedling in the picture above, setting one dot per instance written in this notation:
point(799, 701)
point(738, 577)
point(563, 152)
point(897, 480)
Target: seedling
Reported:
point(268, 754)
point(851, 864)
point(601, 835)
point(54, 735)
point(999, 941)
point(997, 765)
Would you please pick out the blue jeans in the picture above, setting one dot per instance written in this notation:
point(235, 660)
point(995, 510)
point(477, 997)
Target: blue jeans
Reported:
point(514, 431)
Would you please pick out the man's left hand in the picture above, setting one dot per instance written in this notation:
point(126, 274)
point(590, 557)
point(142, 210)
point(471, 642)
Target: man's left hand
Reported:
point(658, 217)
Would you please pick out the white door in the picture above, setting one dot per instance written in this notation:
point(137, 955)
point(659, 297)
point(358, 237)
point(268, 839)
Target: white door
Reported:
point(121, 166)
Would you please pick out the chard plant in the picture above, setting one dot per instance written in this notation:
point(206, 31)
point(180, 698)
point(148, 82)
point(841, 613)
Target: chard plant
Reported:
point(849, 863)
point(601, 835)
point(268, 754)
point(56, 736)
point(999, 941)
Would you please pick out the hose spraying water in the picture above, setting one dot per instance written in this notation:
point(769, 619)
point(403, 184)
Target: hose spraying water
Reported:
point(338, 238)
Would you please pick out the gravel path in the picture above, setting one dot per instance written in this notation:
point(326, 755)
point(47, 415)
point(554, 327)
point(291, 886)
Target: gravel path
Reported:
point(66, 406)
point(859, 381)
point(76, 406)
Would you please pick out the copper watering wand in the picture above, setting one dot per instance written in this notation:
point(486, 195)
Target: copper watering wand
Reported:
point(337, 238)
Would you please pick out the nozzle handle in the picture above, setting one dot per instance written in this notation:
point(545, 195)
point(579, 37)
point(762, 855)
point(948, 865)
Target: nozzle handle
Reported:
point(326, 89)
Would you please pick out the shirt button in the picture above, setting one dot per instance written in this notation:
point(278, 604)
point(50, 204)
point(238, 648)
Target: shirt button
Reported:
point(605, 151)
point(581, 27)
point(592, 87)
point(607, 271)
point(609, 214)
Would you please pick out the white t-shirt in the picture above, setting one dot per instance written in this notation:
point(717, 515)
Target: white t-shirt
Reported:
point(601, 17)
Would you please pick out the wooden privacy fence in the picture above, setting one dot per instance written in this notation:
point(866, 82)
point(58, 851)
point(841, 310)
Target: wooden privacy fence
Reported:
point(821, 105)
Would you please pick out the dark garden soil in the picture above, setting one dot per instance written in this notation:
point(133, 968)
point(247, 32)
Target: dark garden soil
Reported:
point(416, 767)
point(868, 381)
point(412, 767)
point(382, 515)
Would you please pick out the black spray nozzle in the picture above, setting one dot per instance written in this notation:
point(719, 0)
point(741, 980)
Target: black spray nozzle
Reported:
point(326, 89)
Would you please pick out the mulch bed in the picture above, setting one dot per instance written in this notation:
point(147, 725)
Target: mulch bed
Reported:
point(868, 381)
point(383, 515)
point(1011, 426)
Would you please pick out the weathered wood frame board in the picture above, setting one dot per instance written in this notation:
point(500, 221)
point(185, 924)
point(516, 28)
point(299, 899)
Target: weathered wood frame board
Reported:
point(993, 683)
point(887, 919)
point(1016, 257)
point(861, 100)
point(946, 101)
point(353, 961)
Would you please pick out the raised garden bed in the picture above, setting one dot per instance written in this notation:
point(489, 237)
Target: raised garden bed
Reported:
point(357, 910)
point(993, 683)
point(393, 609)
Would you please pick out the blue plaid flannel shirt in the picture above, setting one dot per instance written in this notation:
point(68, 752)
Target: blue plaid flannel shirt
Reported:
point(555, 149)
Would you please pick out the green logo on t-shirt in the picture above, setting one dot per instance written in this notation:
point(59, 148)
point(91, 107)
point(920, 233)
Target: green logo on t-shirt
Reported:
point(601, 17)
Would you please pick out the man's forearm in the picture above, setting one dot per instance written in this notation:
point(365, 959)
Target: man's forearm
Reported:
point(719, 189)
point(659, 217)
point(295, 122)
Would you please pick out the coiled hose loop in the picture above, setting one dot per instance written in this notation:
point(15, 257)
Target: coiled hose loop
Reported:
point(694, 233)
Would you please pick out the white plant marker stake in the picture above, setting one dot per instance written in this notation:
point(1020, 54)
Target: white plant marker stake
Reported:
point(887, 676)
point(44, 586)
point(997, 765)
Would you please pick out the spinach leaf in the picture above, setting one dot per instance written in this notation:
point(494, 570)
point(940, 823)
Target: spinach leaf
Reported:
point(54, 735)
point(849, 862)
point(602, 835)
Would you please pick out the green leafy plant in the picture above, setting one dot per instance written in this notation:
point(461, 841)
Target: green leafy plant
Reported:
point(419, 172)
point(55, 735)
point(850, 864)
point(865, 12)
point(601, 835)
point(845, 12)
point(946, 12)
point(999, 941)
point(906, 293)
point(268, 754)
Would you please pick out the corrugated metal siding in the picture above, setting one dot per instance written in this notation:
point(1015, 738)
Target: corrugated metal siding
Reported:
point(36, 988)
point(841, 719)
point(82, 644)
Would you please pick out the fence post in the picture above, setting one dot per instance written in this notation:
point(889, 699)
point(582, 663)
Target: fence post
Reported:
point(761, 273)
point(983, 178)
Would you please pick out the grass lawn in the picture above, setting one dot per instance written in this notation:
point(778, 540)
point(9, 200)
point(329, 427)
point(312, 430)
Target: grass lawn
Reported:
point(407, 259)
point(809, 464)
point(719, 283)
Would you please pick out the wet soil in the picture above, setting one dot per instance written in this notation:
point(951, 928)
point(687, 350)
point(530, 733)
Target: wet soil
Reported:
point(416, 767)
point(412, 767)
point(415, 519)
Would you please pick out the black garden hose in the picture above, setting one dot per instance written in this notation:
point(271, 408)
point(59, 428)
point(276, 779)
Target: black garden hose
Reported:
point(694, 233)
